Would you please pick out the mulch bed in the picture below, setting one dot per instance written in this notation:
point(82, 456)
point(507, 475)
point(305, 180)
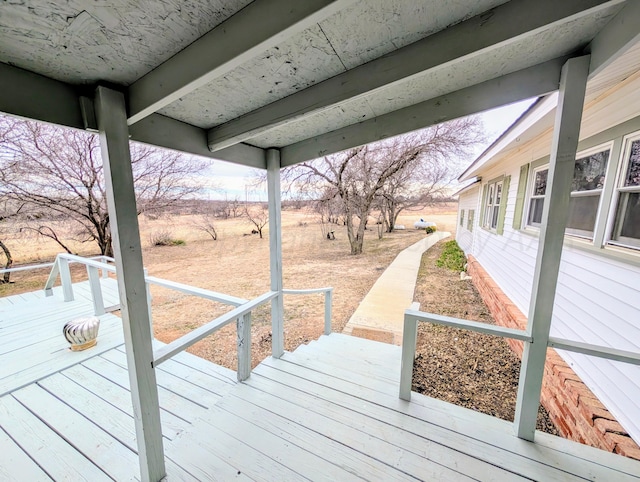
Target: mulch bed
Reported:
point(469, 369)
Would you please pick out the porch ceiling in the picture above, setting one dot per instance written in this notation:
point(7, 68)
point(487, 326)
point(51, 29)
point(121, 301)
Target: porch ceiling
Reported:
point(235, 76)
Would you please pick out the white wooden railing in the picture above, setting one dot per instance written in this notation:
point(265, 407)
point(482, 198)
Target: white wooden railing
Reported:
point(241, 312)
point(412, 316)
point(328, 295)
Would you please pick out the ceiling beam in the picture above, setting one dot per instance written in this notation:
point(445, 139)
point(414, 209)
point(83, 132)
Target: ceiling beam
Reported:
point(509, 22)
point(259, 26)
point(523, 84)
point(615, 38)
point(33, 96)
point(162, 131)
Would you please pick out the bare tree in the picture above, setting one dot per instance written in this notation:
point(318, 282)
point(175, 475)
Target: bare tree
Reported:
point(258, 215)
point(205, 222)
point(60, 171)
point(8, 211)
point(358, 177)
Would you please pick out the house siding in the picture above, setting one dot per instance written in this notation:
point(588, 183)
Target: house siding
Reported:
point(467, 201)
point(597, 301)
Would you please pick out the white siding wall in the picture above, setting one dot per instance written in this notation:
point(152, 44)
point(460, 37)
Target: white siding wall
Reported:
point(467, 200)
point(597, 301)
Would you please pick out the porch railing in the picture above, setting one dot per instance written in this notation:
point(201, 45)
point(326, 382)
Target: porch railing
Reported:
point(241, 312)
point(412, 316)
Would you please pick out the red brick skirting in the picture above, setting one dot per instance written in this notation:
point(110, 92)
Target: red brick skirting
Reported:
point(574, 409)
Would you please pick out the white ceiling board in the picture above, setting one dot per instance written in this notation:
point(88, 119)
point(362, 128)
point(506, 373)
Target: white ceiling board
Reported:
point(551, 43)
point(348, 113)
point(372, 28)
point(294, 65)
point(80, 41)
point(355, 35)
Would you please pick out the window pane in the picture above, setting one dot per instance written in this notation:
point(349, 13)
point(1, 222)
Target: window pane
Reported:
point(630, 219)
point(494, 216)
point(633, 171)
point(498, 193)
point(540, 183)
point(582, 212)
point(535, 211)
point(589, 172)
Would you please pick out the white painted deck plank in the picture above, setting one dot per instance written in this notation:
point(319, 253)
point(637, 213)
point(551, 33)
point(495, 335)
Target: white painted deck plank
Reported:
point(205, 397)
point(115, 459)
point(115, 396)
point(459, 444)
point(373, 458)
point(396, 436)
point(28, 366)
point(501, 433)
point(15, 464)
point(172, 402)
point(478, 426)
point(60, 459)
point(236, 452)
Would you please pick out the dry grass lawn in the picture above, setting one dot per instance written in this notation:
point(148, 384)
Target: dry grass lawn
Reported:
point(238, 264)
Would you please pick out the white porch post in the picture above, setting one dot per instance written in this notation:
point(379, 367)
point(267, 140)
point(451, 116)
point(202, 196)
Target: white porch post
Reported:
point(275, 251)
point(554, 220)
point(114, 142)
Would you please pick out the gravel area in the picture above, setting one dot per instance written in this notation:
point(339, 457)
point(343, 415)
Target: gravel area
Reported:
point(469, 369)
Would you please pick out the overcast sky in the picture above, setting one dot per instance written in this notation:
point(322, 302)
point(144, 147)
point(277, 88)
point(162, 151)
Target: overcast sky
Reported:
point(232, 178)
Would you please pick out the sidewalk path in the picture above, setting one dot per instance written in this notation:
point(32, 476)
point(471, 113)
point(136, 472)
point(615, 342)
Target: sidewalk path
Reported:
point(380, 315)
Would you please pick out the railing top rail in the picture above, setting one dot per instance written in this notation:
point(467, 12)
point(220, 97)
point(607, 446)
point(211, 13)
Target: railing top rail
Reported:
point(469, 325)
point(185, 341)
point(553, 342)
point(307, 291)
point(49, 265)
point(199, 292)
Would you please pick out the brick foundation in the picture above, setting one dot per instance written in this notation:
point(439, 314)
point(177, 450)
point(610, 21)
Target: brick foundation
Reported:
point(573, 408)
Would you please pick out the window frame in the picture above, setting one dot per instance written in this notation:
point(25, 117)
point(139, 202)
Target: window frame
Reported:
point(614, 238)
point(492, 203)
point(461, 218)
point(543, 164)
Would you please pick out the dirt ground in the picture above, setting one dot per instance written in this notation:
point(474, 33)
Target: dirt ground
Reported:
point(466, 368)
point(238, 264)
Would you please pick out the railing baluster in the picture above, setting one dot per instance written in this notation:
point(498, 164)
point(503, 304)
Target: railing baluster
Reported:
point(327, 311)
point(409, 338)
point(55, 271)
point(96, 290)
point(65, 279)
point(243, 326)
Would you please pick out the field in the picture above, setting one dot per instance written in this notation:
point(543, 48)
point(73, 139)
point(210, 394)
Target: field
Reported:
point(238, 264)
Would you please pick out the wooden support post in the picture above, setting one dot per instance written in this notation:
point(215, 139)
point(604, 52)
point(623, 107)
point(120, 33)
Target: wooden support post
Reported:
point(114, 143)
point(275, 252)
point(409, 338)
point(243, 328)
point(328, 295)
point(65, 279)
point(96, 290)
point(573, 82)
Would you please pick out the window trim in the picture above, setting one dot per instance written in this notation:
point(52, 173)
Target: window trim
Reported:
point(490, 192)
point(543, 163)
point(615, 225)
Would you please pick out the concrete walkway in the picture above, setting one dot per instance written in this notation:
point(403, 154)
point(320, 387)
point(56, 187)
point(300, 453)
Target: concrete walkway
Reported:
point(380, 315)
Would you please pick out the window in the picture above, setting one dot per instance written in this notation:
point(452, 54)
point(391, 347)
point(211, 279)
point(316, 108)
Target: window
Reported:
point(461, 217)
point(586, 190)
point(626, 229)
point(536, 200)
point(472, 214)
point(492, 204)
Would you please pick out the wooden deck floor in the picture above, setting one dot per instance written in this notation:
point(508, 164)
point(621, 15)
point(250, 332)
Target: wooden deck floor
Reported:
point(328, 411)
